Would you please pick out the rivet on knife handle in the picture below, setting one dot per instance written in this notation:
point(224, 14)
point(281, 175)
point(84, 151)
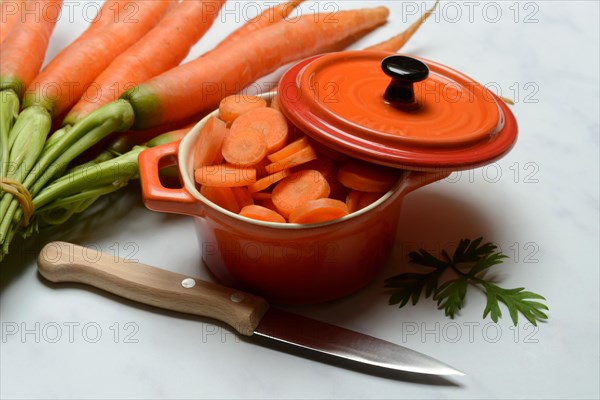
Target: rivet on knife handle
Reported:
point(67, 262)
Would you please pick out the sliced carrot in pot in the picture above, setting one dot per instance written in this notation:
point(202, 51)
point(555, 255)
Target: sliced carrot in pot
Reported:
point(319, 210)
point(225, 175)
point(359, 175)
point(298, 188)
point(324, 165)
point(288, 150)
point(304, 155)
point(242, 196)
point(268, 180)
point(244, 146)
point(357, 200)
point(369, 198)
point(270, 122)
point(267, 203)
point(233, 106)
point(262, 196)
point(262, 214)
point(210, 143)
point(221, 196)
point(353, 200)
point(275, 103)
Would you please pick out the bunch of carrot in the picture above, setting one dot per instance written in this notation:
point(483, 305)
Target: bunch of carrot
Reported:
point(128, 77)
point(248, 161)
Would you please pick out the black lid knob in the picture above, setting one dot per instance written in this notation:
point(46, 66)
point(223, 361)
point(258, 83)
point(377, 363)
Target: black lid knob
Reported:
point(404, 71)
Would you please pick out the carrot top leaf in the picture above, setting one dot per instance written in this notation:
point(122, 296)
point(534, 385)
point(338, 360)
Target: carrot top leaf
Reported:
point(448, 278)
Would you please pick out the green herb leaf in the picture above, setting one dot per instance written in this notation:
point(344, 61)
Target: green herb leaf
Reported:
point(516, 300)
point(486, 262)
point(410, 285)
point(450, 295)
point(424, 258)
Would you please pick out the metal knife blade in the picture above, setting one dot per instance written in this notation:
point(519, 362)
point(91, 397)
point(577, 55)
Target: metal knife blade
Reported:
point(325, 338)
point(248, 314)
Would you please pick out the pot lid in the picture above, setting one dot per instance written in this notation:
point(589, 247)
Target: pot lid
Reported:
point(396, 110)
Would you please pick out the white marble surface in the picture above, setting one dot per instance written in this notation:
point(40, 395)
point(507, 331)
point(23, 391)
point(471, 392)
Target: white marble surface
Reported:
point(539, 203)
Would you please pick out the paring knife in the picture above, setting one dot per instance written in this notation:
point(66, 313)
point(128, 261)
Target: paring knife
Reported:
point(248, 314)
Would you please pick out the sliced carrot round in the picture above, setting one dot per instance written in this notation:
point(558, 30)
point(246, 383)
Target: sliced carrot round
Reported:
point(261, 196)
point(268, 180)
point(368, 198)
point(357, 200)
point(359, 175)
point(288, 150)
point(275, 103)
point(233, 106)
point(353, 200)
point(244, 147)
point(338, 191)
point(270, 122)
point(261, 213)
point(319, 210)
point(210, 143)
point(298, 188)
point(242, 196)
point(225, 175)
point(221, 196)
point(324, 165)
point(304, 155)
point(267, 203)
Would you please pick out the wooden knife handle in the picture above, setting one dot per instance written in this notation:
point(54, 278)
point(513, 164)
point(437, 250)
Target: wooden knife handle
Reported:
point(67, 262)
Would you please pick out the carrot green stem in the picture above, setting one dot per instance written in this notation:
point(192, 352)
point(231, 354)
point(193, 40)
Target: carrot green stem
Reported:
point(104, 156)
point(77, 189)
point(116, 172)
point(26, 141)
point(122, 169)
point(161, 139)
point(28, 137)
point(9, 109)
point(81, 200)
point(51, 218)
point(116, 116)
point(55, 137)
point(7, 241)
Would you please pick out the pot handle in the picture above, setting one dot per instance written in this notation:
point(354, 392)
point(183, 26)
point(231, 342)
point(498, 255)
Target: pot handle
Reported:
point(414, 180)
point(156, 196)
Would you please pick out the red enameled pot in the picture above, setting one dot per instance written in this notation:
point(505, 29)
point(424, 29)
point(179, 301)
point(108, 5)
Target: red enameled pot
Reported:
point(412, 114)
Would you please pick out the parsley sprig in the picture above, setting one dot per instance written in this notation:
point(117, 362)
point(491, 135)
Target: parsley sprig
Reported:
point(467, 266)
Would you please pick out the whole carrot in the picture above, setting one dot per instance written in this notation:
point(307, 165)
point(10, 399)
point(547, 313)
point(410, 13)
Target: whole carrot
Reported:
point(266, 18)
point(395, 43)
point(161, 49)
point(60, 148)
point(111, 12)
point(22, 56)
point(23, 53)
point(63, 81)
point(24, 49)
point(10, 13)
point(47, 95)
point(199, 85)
